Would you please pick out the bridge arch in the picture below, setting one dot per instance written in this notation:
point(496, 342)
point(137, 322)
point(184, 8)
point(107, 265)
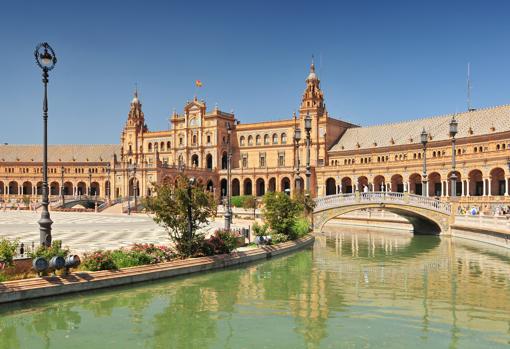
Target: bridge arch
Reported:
point(427, 216)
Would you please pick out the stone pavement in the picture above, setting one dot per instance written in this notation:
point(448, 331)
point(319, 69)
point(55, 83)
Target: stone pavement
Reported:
point(83, 231)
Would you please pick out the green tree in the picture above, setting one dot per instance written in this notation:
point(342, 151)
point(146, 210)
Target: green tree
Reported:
point(306, 202)
point(280, 212)
point(250, 203)
point(170, 208)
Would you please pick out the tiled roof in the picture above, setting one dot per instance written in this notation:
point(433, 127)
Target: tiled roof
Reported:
point(481, 122)
point(59, 153)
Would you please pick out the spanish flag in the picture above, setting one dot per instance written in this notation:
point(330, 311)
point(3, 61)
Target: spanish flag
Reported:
point(198, 83)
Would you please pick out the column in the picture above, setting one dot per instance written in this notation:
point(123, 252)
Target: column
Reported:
point(447, 192)
point(462, 189)
point(340, 188)
point(506, 186)
point(489, 191)
point(467, 188)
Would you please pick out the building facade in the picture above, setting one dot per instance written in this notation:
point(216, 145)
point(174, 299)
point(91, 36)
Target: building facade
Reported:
point(265, 156)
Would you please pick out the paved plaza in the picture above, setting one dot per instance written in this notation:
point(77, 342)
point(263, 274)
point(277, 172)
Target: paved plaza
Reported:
point(88, 231)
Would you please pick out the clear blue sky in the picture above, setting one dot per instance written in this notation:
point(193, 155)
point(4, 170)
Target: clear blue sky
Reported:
point(379, 61)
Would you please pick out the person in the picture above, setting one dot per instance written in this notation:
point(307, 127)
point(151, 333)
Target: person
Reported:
point(365, 188)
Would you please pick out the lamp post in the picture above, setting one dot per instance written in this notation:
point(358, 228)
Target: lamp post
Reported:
point(297, 139)
point(191, 182)
point(308, 128)
point(89, 192)
point(424, 139)
point(132, 169)
point(453, 178)
point(228, 211)
point(46, 60)
point(108, 188)
point(62, 171)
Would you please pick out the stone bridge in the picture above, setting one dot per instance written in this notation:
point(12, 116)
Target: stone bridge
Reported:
point(427, 215)
point(83, 200)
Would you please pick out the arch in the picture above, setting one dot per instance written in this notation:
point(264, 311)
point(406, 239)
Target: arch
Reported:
point(2, 188)
point(54, 188)
point(38, 188)
point(346, 185)
point(108, 188)
point(162, 146)
point(168, 145)
point(379, 183)
point(194, 160)
point(260, 186)
point(498, 181)
point(299, 183)
point(223, 187)
point(236, 187)
point(26, 188)
point(283, 138)
point(415, 184)
point(68, 188)
point(397, 183)
point(362, 183)
point(81, 188)
point(241, 140)
point(149, 147)
point(475, 182)
point(459, 183)
point(258, 140)
point(210, 185)
point(266, 139)
point(250, 140)
point(209, 161)
point(224, 161)
point(330, 186)
point(13, 188)
point(272, 184)
point(247, 187)
point(275, 138)
point(133, 182)
point(94, 189)
point(285, 184)
point(435, 184)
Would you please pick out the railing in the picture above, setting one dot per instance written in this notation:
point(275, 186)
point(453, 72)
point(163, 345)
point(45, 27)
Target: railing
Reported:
point(501, 222)
point(331, 201)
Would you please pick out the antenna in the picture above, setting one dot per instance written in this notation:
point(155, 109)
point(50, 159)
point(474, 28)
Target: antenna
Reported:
point(469, 87)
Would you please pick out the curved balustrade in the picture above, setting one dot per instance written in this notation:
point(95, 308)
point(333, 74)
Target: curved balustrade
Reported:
point(331, 201)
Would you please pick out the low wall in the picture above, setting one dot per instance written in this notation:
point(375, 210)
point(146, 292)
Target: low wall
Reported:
point(375, 220)
point(12, 291)
point(493, 236)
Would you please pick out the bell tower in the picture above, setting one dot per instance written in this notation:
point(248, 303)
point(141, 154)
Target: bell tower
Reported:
point(132, 134)
point(313, 98)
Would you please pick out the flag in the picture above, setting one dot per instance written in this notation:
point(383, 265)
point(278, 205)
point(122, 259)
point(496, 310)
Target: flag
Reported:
point(198, 83)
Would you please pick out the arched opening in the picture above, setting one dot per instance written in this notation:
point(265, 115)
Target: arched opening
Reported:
point(236, 187)
point(260, 187)
point(2, 188)
point(38, 188)
point(94, 189)
point(497, 181)
point(272, 184)
point(415, 184)
point(247, 190)
point(13, 188)
point(210, 185)
point(134, 187)
point(458, 184)
point(362, 184)
point(224, 161)
point(379, 183)
point(330, 186)
point(223, 187)
point(397, 183)
point(299, 184)
point(27, 188)
point(435, 184)
point(81, 188)
point(194, 160)
point(285, 185)
point(108, 189)
point(208, 160)
point(475, 183)
point(68, 188)
point(54, 188)
point(346, 185)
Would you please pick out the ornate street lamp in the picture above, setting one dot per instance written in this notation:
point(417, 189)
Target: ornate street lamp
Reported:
point(108, 188)
point(308, 128)
point(297, 139)
point(89, 192)
point(191, 183)
point(228, 210)
point(424, 139)
point(135, 184)
point(46, 59)
point(453, 178)
point(62, 171)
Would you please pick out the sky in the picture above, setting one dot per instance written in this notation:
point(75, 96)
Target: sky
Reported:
point(378, 61)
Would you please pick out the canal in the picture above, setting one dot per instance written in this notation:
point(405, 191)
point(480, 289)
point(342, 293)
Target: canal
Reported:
point(356, 289)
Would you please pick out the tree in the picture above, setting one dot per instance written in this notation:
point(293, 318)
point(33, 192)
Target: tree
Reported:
point(251, 203)
point(306, 202)
point(170, 208)
point(280, 212)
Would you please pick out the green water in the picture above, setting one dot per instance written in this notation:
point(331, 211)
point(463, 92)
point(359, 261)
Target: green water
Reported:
point(357, 290)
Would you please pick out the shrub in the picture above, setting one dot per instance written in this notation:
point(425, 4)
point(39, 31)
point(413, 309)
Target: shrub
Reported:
point(300, 228)
point(7, 251)
point(49, 252)
point(158, 254)
point(280, 211)
point(277, 238)
point(251, 204)
point(98, 260)
point(239, 201)
point(260, 230)
point(223, 241)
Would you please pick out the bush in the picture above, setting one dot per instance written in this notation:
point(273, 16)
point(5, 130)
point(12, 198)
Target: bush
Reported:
point(277, 238)
point(50, 252)
point(260, 230)
point(222, 242)
point(300, 228)
point(238, 201)
point(280, 211)
point(7, 251)
point(158, 254)
point(98, 260)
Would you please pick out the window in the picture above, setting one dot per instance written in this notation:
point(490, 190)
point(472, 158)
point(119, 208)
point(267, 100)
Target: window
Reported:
point(241, 140)
point(194, 139)
point(284, 138)
point(281, 159)
point(168, 145)
point(208, 139)
point(262, 159)
point(162, 146)
point(245, 160)
point(275, 138)
point(257, 140)
point(250, 140)
point(149, 147)
point(266, 139)
point(180, 140)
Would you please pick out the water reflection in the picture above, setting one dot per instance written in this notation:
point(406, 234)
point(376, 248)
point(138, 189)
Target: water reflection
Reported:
point(352, 289)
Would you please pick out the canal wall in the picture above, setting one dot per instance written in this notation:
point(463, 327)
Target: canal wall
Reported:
point(19, 290)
